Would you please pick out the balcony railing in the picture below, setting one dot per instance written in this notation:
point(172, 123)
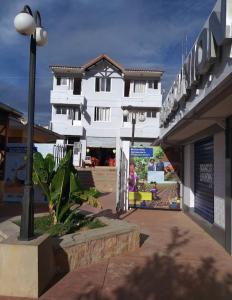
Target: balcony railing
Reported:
point(66, 97)
point(147, 100)
point(69, 127)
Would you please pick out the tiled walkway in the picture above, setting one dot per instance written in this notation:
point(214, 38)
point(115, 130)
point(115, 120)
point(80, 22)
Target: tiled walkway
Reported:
point(177, 261)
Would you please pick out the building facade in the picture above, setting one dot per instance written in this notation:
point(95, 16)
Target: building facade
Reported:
point(196, 118)
point(88, 104)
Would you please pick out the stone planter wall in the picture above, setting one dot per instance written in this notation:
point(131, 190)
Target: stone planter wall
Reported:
point(84, 248)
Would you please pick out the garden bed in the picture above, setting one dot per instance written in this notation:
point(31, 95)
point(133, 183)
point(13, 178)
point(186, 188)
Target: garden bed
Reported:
point(85, 247)
point(43, 224)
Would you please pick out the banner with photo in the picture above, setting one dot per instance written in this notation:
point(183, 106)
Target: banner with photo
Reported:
point(153, 181)
point(15, 173)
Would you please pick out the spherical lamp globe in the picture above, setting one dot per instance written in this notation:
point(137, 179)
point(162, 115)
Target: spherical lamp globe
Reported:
point(24, 23)
point(125, 113)
point(41, 36)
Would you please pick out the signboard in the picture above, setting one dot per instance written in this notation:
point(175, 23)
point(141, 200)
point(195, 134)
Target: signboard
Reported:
point(153, 182)
point(15, 171)
point(141, 152)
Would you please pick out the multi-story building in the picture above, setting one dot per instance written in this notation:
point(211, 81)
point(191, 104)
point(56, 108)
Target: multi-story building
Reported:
point(88, 104)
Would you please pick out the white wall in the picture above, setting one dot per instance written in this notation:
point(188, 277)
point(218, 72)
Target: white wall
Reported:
point(219, 179)
point(112, 99)
point(188, 193)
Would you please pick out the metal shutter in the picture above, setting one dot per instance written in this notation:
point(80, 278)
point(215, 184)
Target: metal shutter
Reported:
point(204, 179)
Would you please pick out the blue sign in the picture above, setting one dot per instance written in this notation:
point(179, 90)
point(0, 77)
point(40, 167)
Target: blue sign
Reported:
point(141, 152)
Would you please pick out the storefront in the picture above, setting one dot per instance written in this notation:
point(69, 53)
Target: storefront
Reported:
point(196, 116)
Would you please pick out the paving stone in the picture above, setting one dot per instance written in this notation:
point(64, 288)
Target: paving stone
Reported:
point(177, 261)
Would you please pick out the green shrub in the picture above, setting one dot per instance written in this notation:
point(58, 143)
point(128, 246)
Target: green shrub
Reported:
point(62, 188)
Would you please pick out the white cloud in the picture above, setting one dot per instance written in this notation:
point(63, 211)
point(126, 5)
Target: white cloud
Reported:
point(134, 32)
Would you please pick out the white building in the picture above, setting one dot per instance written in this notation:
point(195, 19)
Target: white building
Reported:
point(88, 104)
point(196, 117)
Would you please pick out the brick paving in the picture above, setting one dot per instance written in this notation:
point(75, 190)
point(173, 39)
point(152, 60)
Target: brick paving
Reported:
point(177, 261)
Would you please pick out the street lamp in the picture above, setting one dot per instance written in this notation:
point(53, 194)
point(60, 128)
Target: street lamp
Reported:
point(27, 23)
point(142, 118)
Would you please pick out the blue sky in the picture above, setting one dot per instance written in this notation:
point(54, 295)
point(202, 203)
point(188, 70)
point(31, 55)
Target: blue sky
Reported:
point(139, 33)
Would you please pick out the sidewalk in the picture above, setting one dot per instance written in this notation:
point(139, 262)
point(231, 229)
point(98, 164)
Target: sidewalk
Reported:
point(177, 261)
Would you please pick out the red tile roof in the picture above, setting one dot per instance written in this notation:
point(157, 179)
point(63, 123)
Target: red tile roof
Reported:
point(101, 57)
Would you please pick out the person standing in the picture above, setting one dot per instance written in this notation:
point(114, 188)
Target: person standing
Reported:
point(160, 166)
point(133, 178)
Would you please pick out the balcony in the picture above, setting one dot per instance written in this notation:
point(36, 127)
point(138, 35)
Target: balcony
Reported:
point(69, 127)
point(142, 101)
point(66, 98)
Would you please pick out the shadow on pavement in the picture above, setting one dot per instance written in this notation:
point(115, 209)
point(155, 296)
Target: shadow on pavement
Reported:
point(165, 277)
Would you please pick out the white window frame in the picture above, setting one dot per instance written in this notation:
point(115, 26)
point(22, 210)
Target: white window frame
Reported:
point(64, 81)
point(152, 85)
point(74, 113)
point(103, 84)
point(100, 114)
point(128, 119)
point(61, 109)
point(140, 90)
point(151, 114)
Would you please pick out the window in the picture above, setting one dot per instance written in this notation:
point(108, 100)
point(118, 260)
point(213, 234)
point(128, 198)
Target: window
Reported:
point(137, 117)
point(74, 113)
point(127, 88)
point(58, 79)
point(153, 84)
point(102, 114)
point(77, 86)
point(61, 110)
point(103, 84)
point(64, 81)
point(151, 114)
point(139, 86)
point(61, 81)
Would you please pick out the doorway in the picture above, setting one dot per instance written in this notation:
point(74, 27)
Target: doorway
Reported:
point(102, 156)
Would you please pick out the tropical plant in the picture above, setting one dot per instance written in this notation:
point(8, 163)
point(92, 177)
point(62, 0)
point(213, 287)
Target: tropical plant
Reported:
point(158, 152)
point(61, 187)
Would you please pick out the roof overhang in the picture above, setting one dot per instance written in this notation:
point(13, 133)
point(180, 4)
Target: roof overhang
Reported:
point(100, 58)
point(127, 72)
point(143, 73)
point(66, 70)
point(4, 108)
point(18, 128)
point(207, 117)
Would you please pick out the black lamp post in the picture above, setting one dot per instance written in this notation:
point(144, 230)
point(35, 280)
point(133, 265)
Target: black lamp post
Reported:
point(28, 23)
point(126, 113)
point(133, 128)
